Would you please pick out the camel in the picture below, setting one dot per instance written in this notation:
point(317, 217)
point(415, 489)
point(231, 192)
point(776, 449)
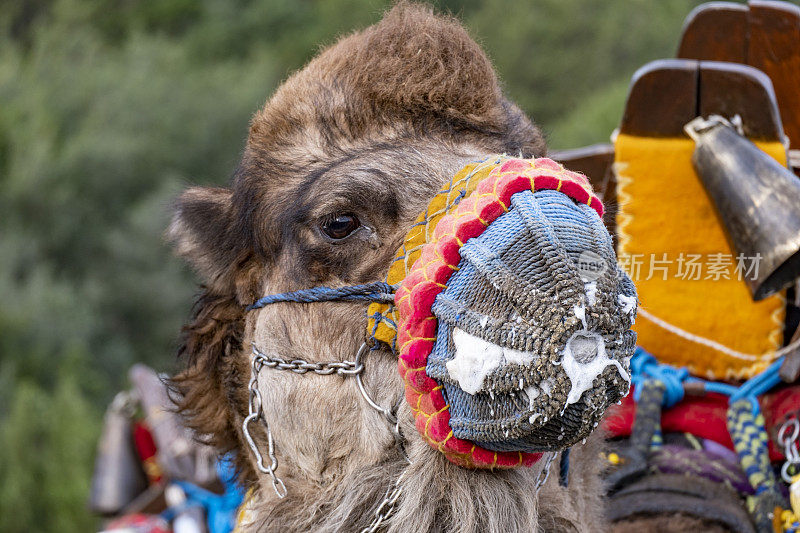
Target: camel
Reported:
point(337, 165)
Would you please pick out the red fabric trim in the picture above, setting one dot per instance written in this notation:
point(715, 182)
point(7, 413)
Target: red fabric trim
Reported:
point(146, 448)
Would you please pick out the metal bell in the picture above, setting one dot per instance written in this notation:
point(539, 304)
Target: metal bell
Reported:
point(757, 200)
point(118, 476)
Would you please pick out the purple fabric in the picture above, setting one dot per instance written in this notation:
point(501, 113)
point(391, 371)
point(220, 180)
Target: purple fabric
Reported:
point(675, 459)
point(721, 451)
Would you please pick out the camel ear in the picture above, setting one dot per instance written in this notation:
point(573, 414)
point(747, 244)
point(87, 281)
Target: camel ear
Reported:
point(201, 225)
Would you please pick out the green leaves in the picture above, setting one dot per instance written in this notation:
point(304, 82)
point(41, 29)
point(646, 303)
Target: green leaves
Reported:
point(48, 441)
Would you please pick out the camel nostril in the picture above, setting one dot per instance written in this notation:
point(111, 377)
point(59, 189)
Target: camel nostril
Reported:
point(583, 347)
point(584, 359)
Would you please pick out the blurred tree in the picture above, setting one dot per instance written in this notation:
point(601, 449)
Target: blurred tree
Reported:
point(47, 442)
point(553, 55)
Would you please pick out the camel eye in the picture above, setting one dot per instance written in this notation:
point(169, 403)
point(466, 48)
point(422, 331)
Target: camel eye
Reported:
point(338, 227)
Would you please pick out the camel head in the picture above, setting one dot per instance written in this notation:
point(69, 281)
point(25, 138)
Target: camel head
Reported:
point(338, 167)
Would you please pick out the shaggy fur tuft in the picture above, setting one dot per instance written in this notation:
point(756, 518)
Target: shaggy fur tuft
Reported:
point(213, 387)
point(412, 67)
point(438, 497)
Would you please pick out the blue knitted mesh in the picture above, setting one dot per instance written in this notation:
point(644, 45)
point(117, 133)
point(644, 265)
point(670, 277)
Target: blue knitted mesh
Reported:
point(517, 287)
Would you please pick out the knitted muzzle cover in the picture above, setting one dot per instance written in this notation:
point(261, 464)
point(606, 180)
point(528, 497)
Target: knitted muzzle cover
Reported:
point(512, 320)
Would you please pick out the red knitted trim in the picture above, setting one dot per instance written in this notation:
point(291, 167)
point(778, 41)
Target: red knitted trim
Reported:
point(428, 277)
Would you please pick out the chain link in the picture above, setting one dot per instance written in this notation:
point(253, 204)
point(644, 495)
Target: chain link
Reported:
point(544, 473)
point(299, 366)
point(255, 413)
point(787, 437)
point(387, 507)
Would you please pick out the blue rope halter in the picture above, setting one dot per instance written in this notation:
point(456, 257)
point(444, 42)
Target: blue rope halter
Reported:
point(378, 291)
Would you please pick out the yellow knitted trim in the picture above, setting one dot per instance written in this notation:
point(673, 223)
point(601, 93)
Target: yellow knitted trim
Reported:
point(245, 515)
point(460, 186)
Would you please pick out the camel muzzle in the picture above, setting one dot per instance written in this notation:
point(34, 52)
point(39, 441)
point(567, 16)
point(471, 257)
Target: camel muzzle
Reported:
point(513, 319)
point(530, 348)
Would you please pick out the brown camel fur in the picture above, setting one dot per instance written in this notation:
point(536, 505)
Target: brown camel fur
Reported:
point(372, 127)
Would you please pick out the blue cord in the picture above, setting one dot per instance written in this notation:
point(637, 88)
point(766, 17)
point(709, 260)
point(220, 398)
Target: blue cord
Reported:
point(369, 292)
point(644, 366)
point(760, 383)
point(713, 386)
point(220, 509)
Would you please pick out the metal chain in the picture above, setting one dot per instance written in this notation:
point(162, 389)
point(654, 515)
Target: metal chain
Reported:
point(787, 437)
point(394, 422)
point(544, 473)
point(299, 366)
point(255, 413)
point(387, 507)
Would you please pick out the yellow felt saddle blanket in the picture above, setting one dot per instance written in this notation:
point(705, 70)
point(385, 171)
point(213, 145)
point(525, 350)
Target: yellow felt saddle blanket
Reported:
point(695, 311)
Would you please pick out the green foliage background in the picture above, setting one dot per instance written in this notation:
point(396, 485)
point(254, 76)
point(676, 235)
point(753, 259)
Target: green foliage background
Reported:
point(109, 107)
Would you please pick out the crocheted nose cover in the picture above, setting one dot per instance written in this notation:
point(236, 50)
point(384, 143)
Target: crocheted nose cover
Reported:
point(512, 317)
